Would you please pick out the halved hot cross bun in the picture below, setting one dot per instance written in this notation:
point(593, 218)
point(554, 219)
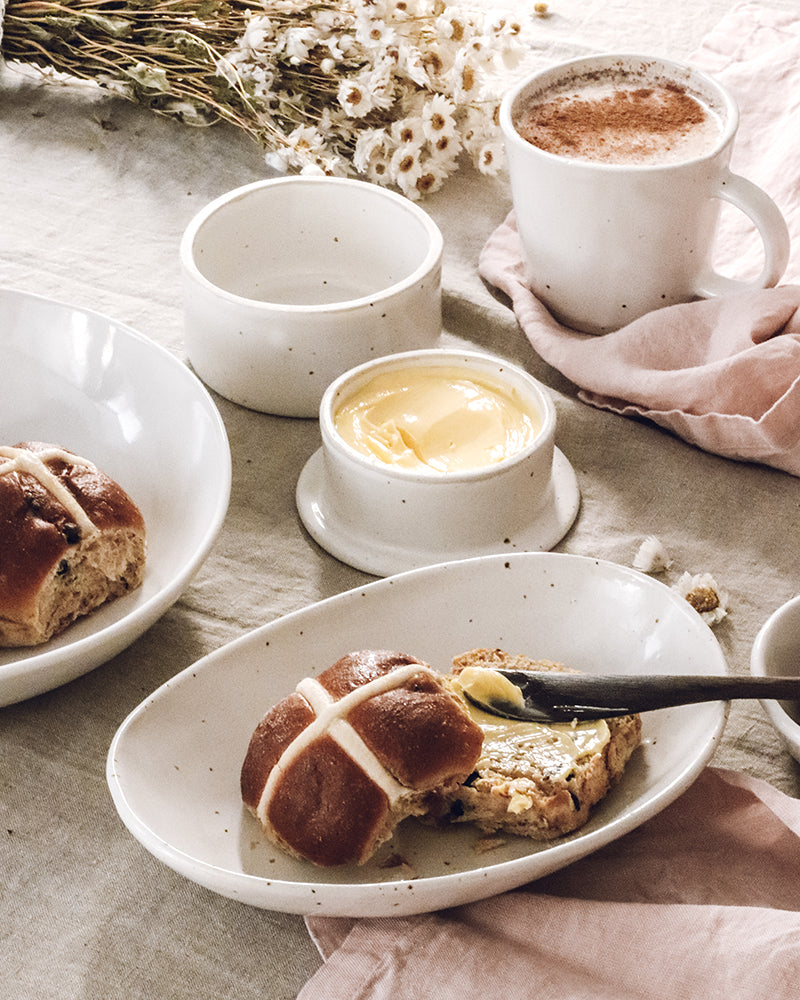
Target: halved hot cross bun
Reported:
point(335, 766)
point(70, 540)
point(537, 780)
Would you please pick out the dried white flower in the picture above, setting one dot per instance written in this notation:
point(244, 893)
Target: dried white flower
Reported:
point(464, 77)
point(258, 31)
point(406, 169)
point(312, 80)
point(409, 133)
point(411, 64)
point(652, 557)
point(297, 43)
point(307, 149)
point(438, 59)
point(312, 170)
point(454, 26)
point(489, 157)
point(705, 596)
point(372, 33)
point(444, 153)
point(439, 118)
point(433, 175)
point(372, 146)
point(355, 97)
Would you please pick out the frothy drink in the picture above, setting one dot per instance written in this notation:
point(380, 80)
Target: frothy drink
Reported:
point(610, 117)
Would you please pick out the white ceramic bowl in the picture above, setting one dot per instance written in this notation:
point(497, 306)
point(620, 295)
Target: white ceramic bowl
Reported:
point(89, 383)
point(384, 519)
point(173, 767)
point(287, 283)
point(776, 653)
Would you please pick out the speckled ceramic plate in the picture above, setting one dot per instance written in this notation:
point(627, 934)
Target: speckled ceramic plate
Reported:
point(173, 767)
point(550, 520)
point(104, 391)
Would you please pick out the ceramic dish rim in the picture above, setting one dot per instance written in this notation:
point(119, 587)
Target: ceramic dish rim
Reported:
point(429, 264)
point(113, 634)
point(683, 68)
point(785, 725)
point(435, 357)
point(299, 897)
point(322, 525)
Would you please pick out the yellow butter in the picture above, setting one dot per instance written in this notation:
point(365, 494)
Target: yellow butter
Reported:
point(512, 747)
point(438, 419)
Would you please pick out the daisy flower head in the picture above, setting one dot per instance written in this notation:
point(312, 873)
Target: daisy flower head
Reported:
point(405, 169)
point(489, 156)
point(306, 143)
point(454, 27)
point(652, 556)
point(708, 599)
point(374, 34)
point(355, 97)
point(411, 64)
point(399, 11)
point(372, 155)
point(464, 79)
point(432, 176)
point(438, 117)
point(438, 61)
point(409, 132)
point(444, 151)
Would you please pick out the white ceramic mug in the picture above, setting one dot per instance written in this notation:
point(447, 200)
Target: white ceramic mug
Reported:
point(606, 243)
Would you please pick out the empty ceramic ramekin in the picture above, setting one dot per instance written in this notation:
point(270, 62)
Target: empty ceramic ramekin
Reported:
point(385, 518)
point(776, 653)
point(287, 283)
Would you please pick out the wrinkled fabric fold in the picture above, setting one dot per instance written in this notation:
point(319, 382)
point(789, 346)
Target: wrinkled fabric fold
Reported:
point(723, 374)
point(703, 900)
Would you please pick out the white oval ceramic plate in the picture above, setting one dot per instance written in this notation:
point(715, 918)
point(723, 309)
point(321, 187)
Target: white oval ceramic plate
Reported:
point(83, 381)
point(173, 766)
point(550, 520)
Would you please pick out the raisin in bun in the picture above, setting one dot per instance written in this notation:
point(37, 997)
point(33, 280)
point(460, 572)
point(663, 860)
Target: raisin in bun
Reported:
point(70, 540)
point(335, 766)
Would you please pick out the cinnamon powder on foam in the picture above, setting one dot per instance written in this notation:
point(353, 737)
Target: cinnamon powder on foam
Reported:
point(620, 124)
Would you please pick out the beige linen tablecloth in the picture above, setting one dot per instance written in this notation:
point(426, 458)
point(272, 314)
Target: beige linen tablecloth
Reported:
point(95, 195)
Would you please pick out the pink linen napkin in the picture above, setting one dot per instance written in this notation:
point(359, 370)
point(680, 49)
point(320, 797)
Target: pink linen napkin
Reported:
point(702, 901)
point(722, 374)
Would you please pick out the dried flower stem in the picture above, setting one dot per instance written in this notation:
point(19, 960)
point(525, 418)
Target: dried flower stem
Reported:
point(389, 89)
point(110, 43)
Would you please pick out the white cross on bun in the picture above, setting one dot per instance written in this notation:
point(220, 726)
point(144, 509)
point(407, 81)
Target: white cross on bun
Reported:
point(335, 766)
point(70, 540)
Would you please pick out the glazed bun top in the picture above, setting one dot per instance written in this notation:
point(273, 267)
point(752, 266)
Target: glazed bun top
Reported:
point(50, 501)
point(331, 766)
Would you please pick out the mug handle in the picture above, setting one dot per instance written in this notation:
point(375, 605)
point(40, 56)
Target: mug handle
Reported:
point(762, 210)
